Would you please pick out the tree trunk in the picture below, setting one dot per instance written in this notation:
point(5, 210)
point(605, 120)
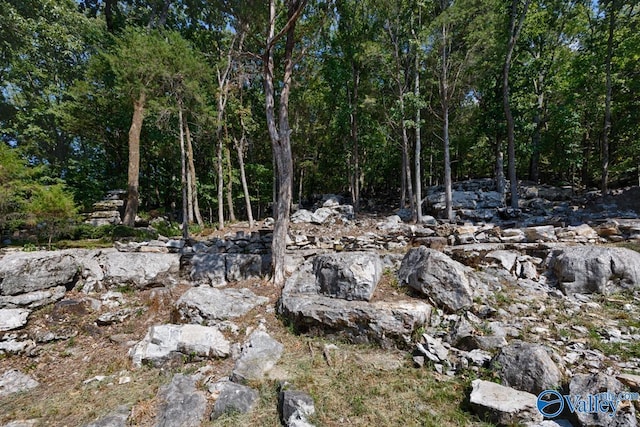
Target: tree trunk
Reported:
point(355, 179)
point(194, 182)
point(220, 170)
point(607, 103)
point(538, 120)
point(183, 167)
point(133, 197)
point(232, 214)
point(515, 26)
point(444, 100)
point(243, 179)
point(280, 138)
point(418, 147)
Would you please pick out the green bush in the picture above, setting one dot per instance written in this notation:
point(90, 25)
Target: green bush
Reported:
point(167, 229)
point(88, 231)
point(130, 234)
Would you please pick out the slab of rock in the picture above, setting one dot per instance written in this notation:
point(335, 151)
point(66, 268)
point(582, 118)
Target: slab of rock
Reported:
point(445, 281)
point(349, 275)
point(503, 405)
point(295, 408)
point(205, 305)
point(23, 272)
point(210, 268)
point(542, 233)
point(506, 259)
point(164, 343)
point(302, 216)
point(181, 403)
point(259, 355)
point(14, 381)
point(527, 367)
point(23, 423)
point(13, 318)
point(388, 324)
point(232, 398)
point(585, 384)
point(139, 269)
point(117, 418)
point(595, 269)
point(242, 266)
point(33, 299)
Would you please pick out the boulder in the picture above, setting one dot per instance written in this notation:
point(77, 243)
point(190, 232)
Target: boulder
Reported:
point(14, 381)
point(320, 216)
point(503, 405)
point(141, 270)
point(210, 268)
point(117, 418)
point(295, 408)
point(542, 233)
point(595, 269)
point(232, 398)
point(385, 323)
point(242, 266)
point(259, 355)
point(446, 282)
point(165, 343)
point(349, 275)
point(527, 367)
point(204, 305)
point(302, 216)
point(33, 299)
point(13, 318)
point(506, 259)
point(584, 385)
point(181, 403)
point(24, 272)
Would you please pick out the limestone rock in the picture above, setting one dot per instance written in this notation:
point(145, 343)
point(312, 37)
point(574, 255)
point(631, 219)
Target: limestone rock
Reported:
point(33, 299)
point(242, 266)
point(543, 233)
point(595, 269)
point(164, 342)
point(584, 384)
point(138, 269)
point(527, 367)
point(507, 259)
point(232, 397)
point(23, 272)
point(302, 216)
point(503, 405)
point(350, 276)
point(117, 418)
point(181, 403)
point(259, 355)
point(13, 318)
point(210, 305)
point(295, 408)
point(445, 281)
point(14, 381)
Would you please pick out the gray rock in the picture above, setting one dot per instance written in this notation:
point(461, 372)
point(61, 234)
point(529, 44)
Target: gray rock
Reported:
point(584, 384)
point(595, 269)
point(13, 346)
point(232, 398)
point(503, 405)
point(210, 268)
point(527, 367)
point(23, 423)
point(164, 342)
point(550, 423)
point(320, 216)
point(507, 259)
point(13, 318)
point(23, 272)
point(138, 269)
point(33, 299)
point(181, 403)
point(210, 305)
point(259, 355)
point(384, 323)
point(301, 216)
point(14, 381)
point(445, 281)
point(295, 408)
point(543, 233)
point(242, 266)
point(117, 418)
point(349, 275)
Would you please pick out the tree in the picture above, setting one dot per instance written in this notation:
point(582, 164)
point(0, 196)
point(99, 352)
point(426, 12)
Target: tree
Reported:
point(280, 133)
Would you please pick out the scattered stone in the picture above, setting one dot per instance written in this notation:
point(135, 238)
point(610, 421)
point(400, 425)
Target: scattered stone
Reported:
point(164, 343)
point(23, 423)
point(350, 276)
point(447, 282)
point(527, 367)
point(33, 299)
point(10, 345)
point(543, 233)
point(181, 403)
point(503, 405)
point(13, 318)
point(232, 398)
point(24, 272)
point(584, 385)
point(506, 259)
point(14, 381)
point(117, 418)
point(259, 355)
point(295, 407)
point(110, 318)
point(205, 305)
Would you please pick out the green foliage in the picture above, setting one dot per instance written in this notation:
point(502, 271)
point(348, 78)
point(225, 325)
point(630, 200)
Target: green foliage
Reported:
point(51, 210)
point(131, 234)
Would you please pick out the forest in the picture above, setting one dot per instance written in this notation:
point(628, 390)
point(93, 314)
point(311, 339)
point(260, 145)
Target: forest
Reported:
point(203, 101)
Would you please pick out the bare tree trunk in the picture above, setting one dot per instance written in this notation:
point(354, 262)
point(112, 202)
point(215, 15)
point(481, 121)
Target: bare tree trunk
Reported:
point(280, 138)
point(183, 167)
point(189, 186)
point(355, 179)
point(243, 178)
point(220, 170)
point(538, 121)
point(194, 182)
point(418, 147)
point(133, 197)
point(444, 100)
point(607, 103)
point(232, 214)
point(515, 27)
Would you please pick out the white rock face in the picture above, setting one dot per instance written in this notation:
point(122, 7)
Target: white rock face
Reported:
point(210, 305)
point(15, 381)
point(13, 318)
point(259, 355)
point(503, 405)
point(350, 276)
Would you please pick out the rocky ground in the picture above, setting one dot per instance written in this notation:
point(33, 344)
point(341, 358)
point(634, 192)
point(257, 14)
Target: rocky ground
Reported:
point(381, 321)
